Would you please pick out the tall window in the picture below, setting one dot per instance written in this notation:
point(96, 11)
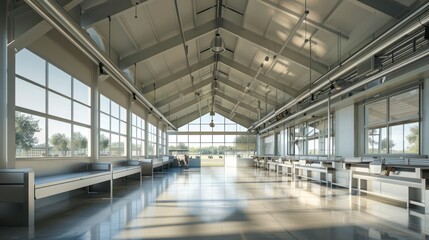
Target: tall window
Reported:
point(138, 136)
point(53, 110)
point(151, 140)
point(392, 124)
point(113, 128)
point(268, 142)
point(162, 142)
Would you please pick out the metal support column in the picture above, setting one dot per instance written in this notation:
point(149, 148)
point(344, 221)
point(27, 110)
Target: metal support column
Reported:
point(129, 144)
point(329, 125)
point(95, 126)
point(3, 84)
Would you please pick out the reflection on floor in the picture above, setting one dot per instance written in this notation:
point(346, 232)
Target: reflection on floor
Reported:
point(223, 203)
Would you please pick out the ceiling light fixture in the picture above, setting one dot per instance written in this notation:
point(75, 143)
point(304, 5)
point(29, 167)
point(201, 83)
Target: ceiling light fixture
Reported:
point(217, 45)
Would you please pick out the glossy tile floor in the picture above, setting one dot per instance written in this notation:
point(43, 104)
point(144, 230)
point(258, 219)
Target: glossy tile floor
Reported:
point(223, 203)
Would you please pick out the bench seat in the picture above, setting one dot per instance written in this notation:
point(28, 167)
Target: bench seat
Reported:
point(123, 171)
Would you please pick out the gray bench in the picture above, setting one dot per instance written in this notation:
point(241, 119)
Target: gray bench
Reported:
point(127, 168)
point(19, 188)
point(148, 166)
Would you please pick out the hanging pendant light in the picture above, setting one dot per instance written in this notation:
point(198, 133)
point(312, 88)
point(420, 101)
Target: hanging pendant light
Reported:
point(212, 125)
point(217, 45)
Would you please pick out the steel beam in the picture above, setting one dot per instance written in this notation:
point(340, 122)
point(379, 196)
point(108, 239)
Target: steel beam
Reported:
point(176, 76)
point(261, 78)
point(273, 46)
point(107, 8)
point(164, 45)
point(388, 7)
point(298, 15)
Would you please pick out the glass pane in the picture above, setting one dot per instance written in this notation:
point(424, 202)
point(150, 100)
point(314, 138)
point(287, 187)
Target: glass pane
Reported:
point(122, 146)
point(123, 114)
point(396, 142)
point(123, 128)
point(81, 113)
point(231, 128)
point(182, 139)
point(206, 138)
point(219, 138)
point(59, 80)
point(232, 138)
point(114, 125)
point(104, 144)
point(114, 109)
point(59, 138)
point(194, 128)
point(412, 138)
point(377, 141)
point(376, 112)
point(30, 66)
point(241, 128)
point(104, 121)
point(206, 119)
point(404, 106)
point(29, 135)
point(104, 104)
point(206, 128)
point(218, 119)
point(194, 138)
point(59, 106)
point(29, 96)
point(218, 127)
point(133, 119)
point(81, 92)
point(115, 145)
point(183, 128)
point(81, 141)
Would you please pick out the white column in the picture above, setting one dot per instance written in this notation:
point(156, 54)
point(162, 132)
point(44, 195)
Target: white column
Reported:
point(95, 126)
point(129, 128)
point(146, 135)
point(3, 85)
point(157, 138)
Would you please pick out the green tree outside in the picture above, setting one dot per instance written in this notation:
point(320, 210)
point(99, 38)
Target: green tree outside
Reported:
point(25, 128)
point(60, 143)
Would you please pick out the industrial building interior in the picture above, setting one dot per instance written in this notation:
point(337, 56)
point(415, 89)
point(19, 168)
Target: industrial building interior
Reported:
point(214, 119)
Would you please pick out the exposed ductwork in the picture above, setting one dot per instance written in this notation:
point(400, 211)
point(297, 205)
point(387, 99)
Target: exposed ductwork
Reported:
point(59, 19)
point(381, 74)
point(392, 35)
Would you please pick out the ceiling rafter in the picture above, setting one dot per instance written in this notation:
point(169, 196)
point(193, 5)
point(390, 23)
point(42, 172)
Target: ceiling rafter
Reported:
point(167, 44)
point(176, 76)
point(108, 8)
point(292, 13)
point(186, 104)
point(261, 78)
point(388, 7)
point(273, 46)
point(128, 33)
point(185, 92)
point(227, 62)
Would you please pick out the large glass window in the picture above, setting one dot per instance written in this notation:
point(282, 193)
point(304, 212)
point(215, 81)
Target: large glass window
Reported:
point(52, 119)
point(113, 137)
point(138, 136)
point(392, 124)
point(151, 140)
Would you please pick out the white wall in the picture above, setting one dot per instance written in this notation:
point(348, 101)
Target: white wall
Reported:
point(346, 131)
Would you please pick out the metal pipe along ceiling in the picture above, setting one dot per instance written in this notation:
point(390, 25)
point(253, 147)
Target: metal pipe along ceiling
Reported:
point(358, 57)
point(398, 66)
point(55, 15)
